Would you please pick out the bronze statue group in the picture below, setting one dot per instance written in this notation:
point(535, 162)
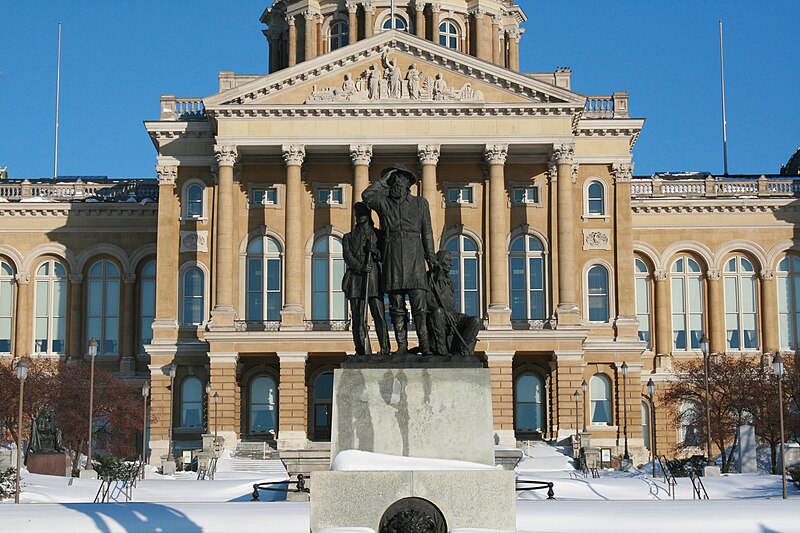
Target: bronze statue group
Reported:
point(392, 260)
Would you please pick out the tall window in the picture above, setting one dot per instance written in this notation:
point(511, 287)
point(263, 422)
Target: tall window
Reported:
point(527, 268)
point(6, 305)
point(194, 201)
point(688, 419)
point(595, 200)
point(191, 402)
point(788, 300)
point(465, 274)
point(147, 304)
point(103, 310)
point(686, 280)
point(399, 23)
point(327, 270)
point(340, 34)
point(51, 307)
point(740, 304)
point(597, 290)
point(529, 407)
point(193, 288)
point(600, 399)
point(643, 301)
point(263, 404)
point(323, 403)
point(448, 35)
point(646, 424)
point(263, 279)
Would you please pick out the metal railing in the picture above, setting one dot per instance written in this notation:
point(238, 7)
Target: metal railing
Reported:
point(698, 489)
point(300, 486)
point(669, 478)
point(529, 484)
point(210, 472)
point(113, 489)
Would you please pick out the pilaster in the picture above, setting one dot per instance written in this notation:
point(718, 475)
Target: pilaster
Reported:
point(361, 156)
point(569, 378)
point(23, 343)
point(165, 324)
point(128, 318)
point(75, 318)
point(293, 405)
point(292, 314)
point(223, 314)
point(567, 309)
point(769, 312)
point(626, 324)
point(663, 318)
point(502, 379)
point(499, 311)
point(716, 312)
point(161, 408)
point(224, 381)
point(429, 157)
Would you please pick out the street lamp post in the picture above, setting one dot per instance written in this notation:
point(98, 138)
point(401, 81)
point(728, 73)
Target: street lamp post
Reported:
point(145, 394)
point(704, 348)
point(777, 368)
point(92, 354)
point(584, 387)
point(22, 374)
point(216, 401)
point(651, 391)
point(576, 396)
point(625, 407)
point(172, 369)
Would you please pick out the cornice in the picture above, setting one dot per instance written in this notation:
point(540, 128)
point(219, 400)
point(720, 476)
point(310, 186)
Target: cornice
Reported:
point(710, 207)
point(78, 210)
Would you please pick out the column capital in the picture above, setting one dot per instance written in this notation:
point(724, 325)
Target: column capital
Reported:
point(436, 7)
point(660, 275)
point(622, 171)
point(428, 154)
point(514, 33)
point(361, 154)
point(129, 278)
point(229, 358)
point(369, 6)
point(713, 275)
point(419, 6)
point(166, 174)
point(478, 12)
point(290, 20)
point(500, 357)
point(309, 14)
point(226, 155)
point(495, 154)
point(352, 7)
point(292, 357)
point(564, 153)
point(767, 274)
point(552, 171)
point(22, 278)
point(293, 154)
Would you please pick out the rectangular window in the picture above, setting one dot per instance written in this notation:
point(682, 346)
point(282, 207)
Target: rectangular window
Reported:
point(265, 196)
point(6, 305)
point(330, 196)
point(643, 310)
point(526, 195)
point(459, 195)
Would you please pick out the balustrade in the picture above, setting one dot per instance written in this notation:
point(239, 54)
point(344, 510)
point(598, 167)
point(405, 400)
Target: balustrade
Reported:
point(79, 190)
point(694, 186)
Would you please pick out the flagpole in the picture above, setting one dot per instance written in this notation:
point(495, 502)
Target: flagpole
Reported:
point(724, 116)
point(58, 97)
point(393, 19)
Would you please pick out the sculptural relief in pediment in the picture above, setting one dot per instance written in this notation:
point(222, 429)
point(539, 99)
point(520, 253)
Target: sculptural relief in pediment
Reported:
point(389, 82)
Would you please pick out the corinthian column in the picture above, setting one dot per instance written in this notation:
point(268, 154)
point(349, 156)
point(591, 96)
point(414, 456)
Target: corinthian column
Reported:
point(165, 324)
point(513, 49)
point(496, 31)
point(626, 323)
point(292, 314)
point(483, 40)
point(499, 312)
point(23, 344)
point(419, 19)
point(716, 312)
point(352, 22)
point(292, 41)
point(429, 157)
point(223, 314)
point(310, 41)
point(360, 155)
point(369, 19)
point(771, 341)
point(567, 309)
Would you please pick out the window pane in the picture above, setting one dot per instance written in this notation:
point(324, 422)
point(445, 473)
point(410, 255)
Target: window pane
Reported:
point(323, 387)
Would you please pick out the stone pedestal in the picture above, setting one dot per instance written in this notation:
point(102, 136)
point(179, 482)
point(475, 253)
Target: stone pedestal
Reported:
point(50, 464)
point(87, 474)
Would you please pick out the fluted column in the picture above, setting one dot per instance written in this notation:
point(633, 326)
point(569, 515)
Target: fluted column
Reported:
point(310, 41)
point(23, 344)
point(369, 19)
point(567, 310)
point(663, 318)
point(513, 49)
point(419, 19)
point(352, 22)
point(292, 314)
point(292, 41)
point(429, 157)
point(165, 325)
point(499, 312)
point(771, 341)
point(716, 312)
point(75, 318)
point(626, 323)
point(360, 155)
point(223, 314)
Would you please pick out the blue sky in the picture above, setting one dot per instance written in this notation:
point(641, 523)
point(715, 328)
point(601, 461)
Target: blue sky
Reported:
point(119, 57)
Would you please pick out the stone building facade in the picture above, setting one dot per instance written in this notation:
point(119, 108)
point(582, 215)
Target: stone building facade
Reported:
point(227, 268)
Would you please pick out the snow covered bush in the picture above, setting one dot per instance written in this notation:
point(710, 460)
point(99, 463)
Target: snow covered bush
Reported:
point(8, 480)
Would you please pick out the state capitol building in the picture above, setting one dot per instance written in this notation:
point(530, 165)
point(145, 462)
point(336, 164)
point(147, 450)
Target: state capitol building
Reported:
point(227, 267)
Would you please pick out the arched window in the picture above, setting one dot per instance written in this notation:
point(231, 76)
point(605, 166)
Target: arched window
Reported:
point(643, 310)
point(6, 305)
point(788, 304)
point(529, 405)
point(51, 308)
point(193, 288)
point(327, 269)
point(102, 321)
point(399, 23)
point(191, 402)
point(340, 34)
point(597, 291)
point(740, 304)
point(448, 35)
point(465, 274)
point(147, 304)
point(600, 398)
point(323, 403)
point(686, 279)
point(689, 420)
point(264, 279)
point(646, 424)
point(263, 405)
point(527, 280)
point(193, 200)
point(595, 199)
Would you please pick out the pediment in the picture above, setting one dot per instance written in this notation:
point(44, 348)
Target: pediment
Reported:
point(394, 69)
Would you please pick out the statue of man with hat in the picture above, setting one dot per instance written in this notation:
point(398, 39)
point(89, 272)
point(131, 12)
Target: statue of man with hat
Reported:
point(408, 246)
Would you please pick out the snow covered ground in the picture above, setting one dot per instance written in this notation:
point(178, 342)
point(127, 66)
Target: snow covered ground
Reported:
point(615, 502)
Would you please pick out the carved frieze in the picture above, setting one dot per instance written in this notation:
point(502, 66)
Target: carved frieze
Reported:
point(194, 241)
point(596, 239)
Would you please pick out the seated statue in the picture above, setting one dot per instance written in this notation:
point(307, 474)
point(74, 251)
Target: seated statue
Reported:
point(45, 436)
